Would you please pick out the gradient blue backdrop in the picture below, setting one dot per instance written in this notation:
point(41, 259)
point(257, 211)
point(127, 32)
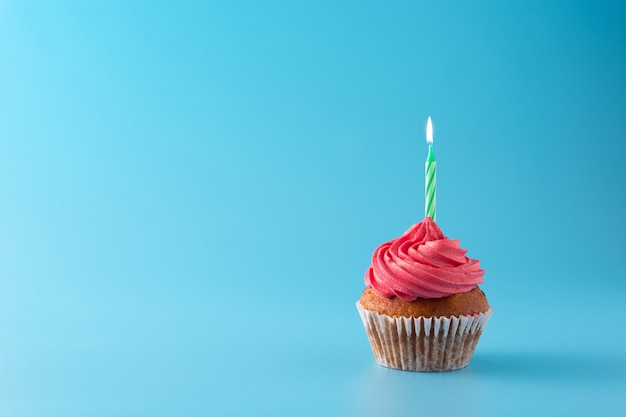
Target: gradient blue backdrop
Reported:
point(190, 193)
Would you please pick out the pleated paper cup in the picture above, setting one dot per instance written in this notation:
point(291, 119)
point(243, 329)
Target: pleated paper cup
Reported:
point(427, 344)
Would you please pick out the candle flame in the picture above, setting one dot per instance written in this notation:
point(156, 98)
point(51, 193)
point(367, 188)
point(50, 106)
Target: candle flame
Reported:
point(429, 131)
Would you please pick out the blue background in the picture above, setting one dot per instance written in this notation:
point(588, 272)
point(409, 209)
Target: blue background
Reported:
point(190, 194)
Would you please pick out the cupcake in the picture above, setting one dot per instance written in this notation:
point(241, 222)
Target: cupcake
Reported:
point(422, 308)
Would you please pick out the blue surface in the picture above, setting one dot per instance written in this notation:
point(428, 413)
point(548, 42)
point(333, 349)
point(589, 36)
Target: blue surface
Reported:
point(190, 194)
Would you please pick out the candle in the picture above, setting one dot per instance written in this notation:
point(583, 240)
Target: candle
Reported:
point(431, 175)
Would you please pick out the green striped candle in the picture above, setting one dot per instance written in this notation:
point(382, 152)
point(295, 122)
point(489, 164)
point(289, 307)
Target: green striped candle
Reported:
point(431, 175)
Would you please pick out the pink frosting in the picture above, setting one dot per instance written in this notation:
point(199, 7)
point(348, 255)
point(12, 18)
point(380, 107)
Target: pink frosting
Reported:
point(422, 263)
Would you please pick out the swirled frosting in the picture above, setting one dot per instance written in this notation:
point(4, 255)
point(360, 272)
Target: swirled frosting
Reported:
point(422, 263)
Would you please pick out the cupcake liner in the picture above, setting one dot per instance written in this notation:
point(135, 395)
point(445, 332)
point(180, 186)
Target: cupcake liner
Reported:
point(428, 344)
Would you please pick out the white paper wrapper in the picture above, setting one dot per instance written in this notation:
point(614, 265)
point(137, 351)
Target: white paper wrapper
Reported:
point(429, 344)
